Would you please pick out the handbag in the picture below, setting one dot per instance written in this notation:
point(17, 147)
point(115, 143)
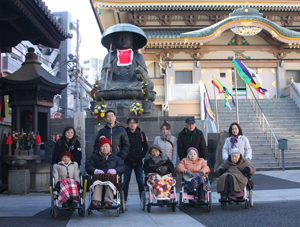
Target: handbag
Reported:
point(250, 183)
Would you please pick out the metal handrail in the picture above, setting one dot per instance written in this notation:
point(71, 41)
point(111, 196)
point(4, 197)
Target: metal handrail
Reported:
point(262, 121)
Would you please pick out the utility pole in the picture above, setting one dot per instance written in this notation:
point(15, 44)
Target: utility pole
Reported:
point(77, 67)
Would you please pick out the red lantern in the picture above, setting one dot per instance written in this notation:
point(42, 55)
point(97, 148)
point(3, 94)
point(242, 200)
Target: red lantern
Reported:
point(9, 140)
point(38, 140)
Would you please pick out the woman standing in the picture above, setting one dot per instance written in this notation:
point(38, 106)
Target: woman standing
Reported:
point(167, 142)
point(68, 142)
point(236, 140)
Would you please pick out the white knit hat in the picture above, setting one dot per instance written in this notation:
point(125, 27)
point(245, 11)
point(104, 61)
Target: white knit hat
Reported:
point(234, 150)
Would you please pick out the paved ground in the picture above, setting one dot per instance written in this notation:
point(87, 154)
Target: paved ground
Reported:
point(276, 203)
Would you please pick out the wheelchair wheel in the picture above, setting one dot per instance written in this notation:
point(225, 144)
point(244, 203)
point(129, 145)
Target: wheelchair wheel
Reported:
point(149, 208)
point(173, 207)
point(247, 204)
point(81, 211)
point(53, 213)
point(209, 205)
point(143, 200)
point(118, 212)
point(185, 208)
point(180, 201)
point(223, 205)
point(251, 198)
point(88, 212)
point(122, 201)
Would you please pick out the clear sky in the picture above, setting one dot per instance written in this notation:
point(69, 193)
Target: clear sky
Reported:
point(91, 36)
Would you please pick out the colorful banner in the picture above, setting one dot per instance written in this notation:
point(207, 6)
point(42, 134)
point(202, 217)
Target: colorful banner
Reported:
point(245, 74)
point(207, 109)
point(224, 90)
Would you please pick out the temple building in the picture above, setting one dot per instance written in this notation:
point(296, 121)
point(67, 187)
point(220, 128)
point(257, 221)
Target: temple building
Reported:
point(192, 41)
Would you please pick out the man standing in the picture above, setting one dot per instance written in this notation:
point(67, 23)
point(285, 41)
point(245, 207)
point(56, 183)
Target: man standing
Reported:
point(116, 134)
point(137, 151)
point(190, 136)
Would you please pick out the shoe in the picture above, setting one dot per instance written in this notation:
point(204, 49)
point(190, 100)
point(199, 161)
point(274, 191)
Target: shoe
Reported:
point(106, 205)
point(74, 203)
point(232, 197)
point(224, 198)
point(95, 204)
point(65, 205)
point(201, 200)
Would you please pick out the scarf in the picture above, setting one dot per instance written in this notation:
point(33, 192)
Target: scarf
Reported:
point(233, 140)
point(156, 160)
point(190, 134)
point(165, 137)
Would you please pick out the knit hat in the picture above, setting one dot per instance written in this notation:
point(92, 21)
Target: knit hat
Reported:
point(104, 140)
point(156, 146)
point(192, 148)
point(234, 150)
point(67, 153)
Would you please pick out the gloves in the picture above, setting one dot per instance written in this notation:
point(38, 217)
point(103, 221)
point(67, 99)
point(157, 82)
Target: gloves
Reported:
point(246, 170)
point(111, 171)
point(187, 172)
point(221, 171)
point(197, 174)
point(163, 169)
point(98, 171)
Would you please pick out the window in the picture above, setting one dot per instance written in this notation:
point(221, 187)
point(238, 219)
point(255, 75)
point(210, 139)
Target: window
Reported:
point(292, 75)
point(222, 74)
point(183, 77)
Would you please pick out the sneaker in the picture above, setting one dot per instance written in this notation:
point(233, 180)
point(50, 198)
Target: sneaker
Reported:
point(74, 203)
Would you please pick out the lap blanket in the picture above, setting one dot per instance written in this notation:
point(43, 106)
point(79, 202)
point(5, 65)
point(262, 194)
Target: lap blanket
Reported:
point(196, 182)
point(161, 185)
point(107, 177)
point(68, 189)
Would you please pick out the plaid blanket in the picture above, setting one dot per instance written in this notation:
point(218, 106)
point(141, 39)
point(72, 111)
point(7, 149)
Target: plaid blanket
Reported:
point(196, 182)
point(68, 189)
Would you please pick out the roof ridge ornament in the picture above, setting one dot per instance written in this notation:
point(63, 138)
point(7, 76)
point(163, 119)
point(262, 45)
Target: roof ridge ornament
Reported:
point(245, 11)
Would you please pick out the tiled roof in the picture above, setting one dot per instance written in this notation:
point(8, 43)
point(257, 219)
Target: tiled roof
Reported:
point(165, 33)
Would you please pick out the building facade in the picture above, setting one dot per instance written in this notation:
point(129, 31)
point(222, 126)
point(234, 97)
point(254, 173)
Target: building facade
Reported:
point(177, 61)
point(92, 69)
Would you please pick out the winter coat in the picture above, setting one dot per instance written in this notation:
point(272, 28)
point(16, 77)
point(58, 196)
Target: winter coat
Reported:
point(197, 140)
point(239, 180)
point(155, 169)
point(199, 165)
point(61, 171)
point(117, 136)
point(168, 148)
point(97, 161)
point(138, 147)
point(242, 144)
point(62, 146)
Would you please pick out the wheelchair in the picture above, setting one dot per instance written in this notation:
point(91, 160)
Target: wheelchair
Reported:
point(245, 197)
point(56, 206)
point(148, 197)
point(186, 198)
point(118, 202)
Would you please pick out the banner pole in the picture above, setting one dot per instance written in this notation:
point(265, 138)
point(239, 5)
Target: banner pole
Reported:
point(236, 97)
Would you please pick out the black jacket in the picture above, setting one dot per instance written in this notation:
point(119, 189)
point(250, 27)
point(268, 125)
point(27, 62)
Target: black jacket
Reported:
point(197, 140)
point(118, 137)
point(151, 169)
point(97, 161)
point(62, 146)
point(138, 147)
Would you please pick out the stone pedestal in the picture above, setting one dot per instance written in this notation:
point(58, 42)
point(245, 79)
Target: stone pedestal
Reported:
point(19, 182)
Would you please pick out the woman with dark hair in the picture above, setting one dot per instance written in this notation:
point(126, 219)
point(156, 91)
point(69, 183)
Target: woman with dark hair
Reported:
point(68, 142)
point(236, 139)
point(167, 142)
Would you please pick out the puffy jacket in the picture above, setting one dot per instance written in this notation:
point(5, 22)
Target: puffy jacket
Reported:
point(138, 147)
point(62, 146)
point(118, 137)
point(61, 171)
point(97, 161)
point(199, 165)
point(185, 141)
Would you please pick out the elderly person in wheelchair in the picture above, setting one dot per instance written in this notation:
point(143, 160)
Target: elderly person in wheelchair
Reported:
point(66, 179)
point(105, 166)
point(194, 170)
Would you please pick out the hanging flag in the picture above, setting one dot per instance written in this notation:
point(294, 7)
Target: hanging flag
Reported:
point(207, 109)
point(224, 90)
point(245, 74)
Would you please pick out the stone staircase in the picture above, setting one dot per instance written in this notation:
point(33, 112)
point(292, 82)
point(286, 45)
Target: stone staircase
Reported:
point(279, 113)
